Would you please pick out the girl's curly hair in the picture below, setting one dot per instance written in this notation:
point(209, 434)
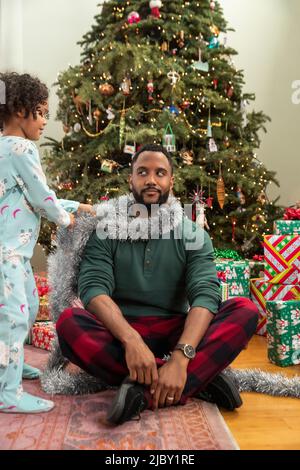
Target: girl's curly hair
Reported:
point(21, 92)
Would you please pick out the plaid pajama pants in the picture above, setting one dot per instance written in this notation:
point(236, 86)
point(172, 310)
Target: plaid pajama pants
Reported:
point(88, 344)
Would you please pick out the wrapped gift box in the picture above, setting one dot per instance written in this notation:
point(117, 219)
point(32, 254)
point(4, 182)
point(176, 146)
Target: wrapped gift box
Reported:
point(287, 227)
point(236, 275)
point(44, 310)
point(43, 334)
point(282, 259)
point(283, 332)
point(262, 291)
point(43, 291)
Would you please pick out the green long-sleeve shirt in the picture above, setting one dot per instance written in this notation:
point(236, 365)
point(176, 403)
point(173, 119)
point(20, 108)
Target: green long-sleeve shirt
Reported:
point(154, 277)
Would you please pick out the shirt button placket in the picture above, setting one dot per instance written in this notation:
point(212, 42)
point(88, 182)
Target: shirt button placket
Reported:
point(148, 258)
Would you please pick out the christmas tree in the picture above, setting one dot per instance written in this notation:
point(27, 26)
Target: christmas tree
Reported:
point(162, 72)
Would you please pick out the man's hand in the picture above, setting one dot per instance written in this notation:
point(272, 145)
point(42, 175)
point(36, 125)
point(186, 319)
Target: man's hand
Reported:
point(172, 378)
point(86, 208)
point(141, 363)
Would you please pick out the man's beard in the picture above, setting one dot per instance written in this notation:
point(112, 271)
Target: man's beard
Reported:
point(163, 197)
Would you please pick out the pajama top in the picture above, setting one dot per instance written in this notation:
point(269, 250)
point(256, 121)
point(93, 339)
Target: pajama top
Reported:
point(155, 277)
point(25, 197)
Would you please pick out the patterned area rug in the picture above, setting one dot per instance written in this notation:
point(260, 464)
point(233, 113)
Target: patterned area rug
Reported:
point(78, 423)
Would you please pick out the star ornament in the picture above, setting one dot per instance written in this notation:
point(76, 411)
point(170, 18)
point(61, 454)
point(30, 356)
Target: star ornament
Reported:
point(198, 197)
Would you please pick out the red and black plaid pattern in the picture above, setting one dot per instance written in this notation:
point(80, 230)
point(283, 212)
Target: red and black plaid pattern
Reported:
point(88, 344)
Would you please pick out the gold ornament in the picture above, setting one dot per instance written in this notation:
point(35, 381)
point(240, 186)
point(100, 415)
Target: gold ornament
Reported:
point(215, 30)
point(79, 102)
point(97, 114)
point(262, 198)
point(165, 46)
point(106, 89)
point(221, 190)
point(181, 39)
point(226, 141)
point(187, 157)
point(259, 218)
point(108, 166)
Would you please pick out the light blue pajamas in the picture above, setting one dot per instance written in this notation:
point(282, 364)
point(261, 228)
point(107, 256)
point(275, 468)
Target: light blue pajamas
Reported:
point(24, 197)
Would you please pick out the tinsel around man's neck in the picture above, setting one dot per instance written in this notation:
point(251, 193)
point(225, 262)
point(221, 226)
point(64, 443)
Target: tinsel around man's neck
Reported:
point(125, 219)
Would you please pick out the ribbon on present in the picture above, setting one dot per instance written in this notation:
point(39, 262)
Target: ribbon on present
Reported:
point(282, 257)
point(224, 291)
point(291, 213)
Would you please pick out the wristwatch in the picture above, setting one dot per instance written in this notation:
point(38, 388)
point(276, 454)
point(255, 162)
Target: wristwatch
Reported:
point(187, 350)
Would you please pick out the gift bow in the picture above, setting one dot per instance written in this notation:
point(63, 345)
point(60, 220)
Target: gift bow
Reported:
point(291, 214)
point(258, 258)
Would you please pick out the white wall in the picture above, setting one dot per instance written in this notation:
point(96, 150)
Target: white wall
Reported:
point(267, 38)
point(268, 41)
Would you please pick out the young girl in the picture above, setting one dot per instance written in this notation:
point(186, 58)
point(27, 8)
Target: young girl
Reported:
point(24, 197)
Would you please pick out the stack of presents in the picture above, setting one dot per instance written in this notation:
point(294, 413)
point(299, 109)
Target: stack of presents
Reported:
point(277, 294)
point(272, 282)
point(42, 333)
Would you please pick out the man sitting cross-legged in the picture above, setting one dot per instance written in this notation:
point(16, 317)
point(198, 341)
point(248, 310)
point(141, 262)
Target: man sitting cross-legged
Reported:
point(149, 288)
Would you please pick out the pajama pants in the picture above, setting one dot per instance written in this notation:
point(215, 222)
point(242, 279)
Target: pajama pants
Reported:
point(88, 344)
point(19, 305)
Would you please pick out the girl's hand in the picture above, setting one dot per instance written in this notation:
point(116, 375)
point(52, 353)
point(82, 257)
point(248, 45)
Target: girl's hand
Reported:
point(72, 221)
point(86, 208)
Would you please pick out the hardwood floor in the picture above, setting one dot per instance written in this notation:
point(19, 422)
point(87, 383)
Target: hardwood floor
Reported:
point(264, 422)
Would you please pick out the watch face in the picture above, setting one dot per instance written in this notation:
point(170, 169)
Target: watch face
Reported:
point(189, 351)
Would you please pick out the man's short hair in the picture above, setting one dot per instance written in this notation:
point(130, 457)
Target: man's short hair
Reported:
point(152, 148)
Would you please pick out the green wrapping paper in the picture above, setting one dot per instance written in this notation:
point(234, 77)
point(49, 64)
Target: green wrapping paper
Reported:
point(287, 227)
point(237, 276)
point(283, 332)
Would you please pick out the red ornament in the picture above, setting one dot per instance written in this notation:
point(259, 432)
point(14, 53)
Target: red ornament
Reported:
point(185, 104)
point(133, 17)
point(155, 5)
point(150, 88)
point(230, 91)
point(215, 83)
point(209, 202)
